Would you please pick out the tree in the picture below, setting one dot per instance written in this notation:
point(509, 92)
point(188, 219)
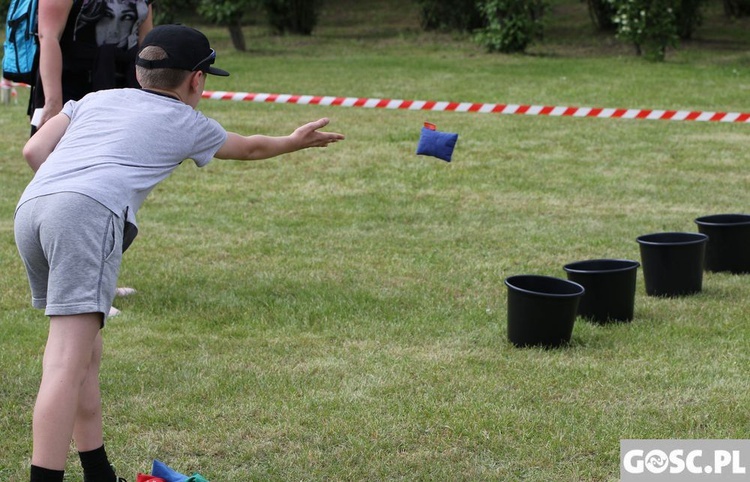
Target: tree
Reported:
point(172, 11)
point(284, 16)
point(688, 17)
point(230, 14)
point(737, 8)
point(293, 16)
point(4, 8)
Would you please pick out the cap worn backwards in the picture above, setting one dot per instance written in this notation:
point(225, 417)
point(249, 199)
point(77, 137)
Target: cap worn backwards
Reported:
point(186, 48)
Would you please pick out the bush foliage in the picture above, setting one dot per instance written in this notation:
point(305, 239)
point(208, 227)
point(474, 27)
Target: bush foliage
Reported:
point(458, 15)
point(511, 24)
point(655, 25)
point(293, 16)
point(688, 17)
point(652, 26)
point(737, 8)
point(602, 14)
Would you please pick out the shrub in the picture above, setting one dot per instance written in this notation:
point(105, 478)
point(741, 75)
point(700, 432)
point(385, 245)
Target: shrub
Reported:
point(293, 16)
point(225, 12)
point(737, 8)
point(460, 15)
point(688, 17)
point(602, 13)
point(649, 24)
point(172, 11)
point(511, 24)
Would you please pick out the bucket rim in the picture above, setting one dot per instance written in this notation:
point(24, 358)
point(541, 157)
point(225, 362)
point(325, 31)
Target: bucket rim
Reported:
point(580, 290)
point(713, 219)
point(576, 266)
point(688, 238)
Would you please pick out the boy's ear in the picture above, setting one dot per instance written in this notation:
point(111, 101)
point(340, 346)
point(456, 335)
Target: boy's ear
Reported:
point(195, 80)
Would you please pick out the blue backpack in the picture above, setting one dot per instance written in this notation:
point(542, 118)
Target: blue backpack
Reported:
point(21, 43)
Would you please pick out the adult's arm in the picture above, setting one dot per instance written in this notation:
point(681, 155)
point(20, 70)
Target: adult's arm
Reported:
point(146, 26)
point(53, 15)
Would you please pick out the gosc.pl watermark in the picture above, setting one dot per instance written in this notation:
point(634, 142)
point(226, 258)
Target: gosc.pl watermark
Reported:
point(684, 460)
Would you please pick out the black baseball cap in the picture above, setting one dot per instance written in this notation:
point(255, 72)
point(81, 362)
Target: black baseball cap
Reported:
point(186, 48)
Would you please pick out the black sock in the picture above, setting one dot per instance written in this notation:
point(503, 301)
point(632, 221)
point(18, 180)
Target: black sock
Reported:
point(39, 474)
point(96, 467)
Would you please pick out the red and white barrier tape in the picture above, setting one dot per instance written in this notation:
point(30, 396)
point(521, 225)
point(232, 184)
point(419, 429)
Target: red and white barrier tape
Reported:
point(426, 105)
point(6, 84)
point(435, 106)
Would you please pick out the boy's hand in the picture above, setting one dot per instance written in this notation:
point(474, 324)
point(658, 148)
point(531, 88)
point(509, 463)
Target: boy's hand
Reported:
point(308, 135)
point(264, 147)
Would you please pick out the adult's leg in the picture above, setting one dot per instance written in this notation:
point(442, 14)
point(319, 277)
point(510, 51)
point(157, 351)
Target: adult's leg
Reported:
point(67, 358)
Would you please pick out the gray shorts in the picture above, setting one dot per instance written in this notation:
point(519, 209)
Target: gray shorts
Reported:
point(72, 249)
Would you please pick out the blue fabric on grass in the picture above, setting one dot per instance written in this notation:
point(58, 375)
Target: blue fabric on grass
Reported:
point(162, 470)
point(437, 144)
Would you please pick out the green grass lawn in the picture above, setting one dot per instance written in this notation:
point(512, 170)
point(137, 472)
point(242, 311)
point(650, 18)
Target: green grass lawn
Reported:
point(340, 314)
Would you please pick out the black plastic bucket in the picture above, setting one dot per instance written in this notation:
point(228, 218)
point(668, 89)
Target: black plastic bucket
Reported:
point(541, 310)
point(673, 263)
point(610, 288)
point(728, 247)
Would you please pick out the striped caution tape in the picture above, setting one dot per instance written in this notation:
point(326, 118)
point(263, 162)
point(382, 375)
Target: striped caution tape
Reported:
point(434, 106)
point(482, 108)
point(8, 90)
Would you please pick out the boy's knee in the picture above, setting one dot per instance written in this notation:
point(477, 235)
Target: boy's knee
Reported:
point(89, 407)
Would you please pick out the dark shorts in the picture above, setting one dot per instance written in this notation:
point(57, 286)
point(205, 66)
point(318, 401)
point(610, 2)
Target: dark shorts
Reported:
point(71, 246)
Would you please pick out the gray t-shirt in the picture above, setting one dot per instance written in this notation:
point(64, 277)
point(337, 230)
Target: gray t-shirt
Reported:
point(120, 144)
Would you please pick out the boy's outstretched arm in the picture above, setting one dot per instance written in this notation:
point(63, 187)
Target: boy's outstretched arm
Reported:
point(258, 147)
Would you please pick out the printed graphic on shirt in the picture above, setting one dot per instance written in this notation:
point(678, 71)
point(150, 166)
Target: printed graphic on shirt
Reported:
point(117, 21)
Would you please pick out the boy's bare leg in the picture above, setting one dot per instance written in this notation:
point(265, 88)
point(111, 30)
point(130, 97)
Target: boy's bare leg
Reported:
point(87, 431)
point(67, 358)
